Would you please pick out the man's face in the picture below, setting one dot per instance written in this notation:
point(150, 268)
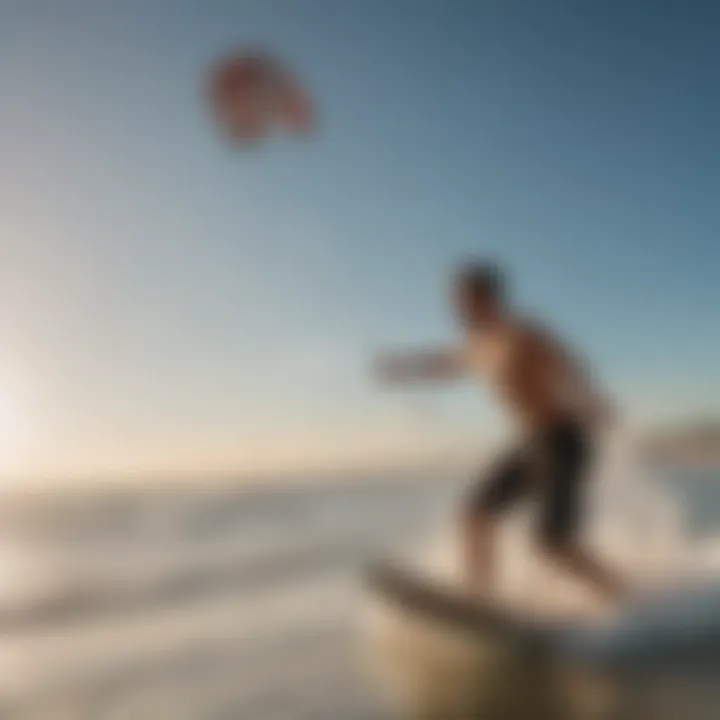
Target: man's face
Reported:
point(474, 305)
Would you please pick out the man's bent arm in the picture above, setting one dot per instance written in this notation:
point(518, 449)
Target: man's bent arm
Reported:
point(576, 375)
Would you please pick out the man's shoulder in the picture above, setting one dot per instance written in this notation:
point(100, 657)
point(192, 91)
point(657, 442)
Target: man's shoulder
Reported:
point(532, 328)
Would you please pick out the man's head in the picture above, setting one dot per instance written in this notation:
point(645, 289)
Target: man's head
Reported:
point(479, 293)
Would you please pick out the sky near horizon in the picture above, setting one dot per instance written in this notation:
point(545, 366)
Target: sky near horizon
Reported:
point(168, 305)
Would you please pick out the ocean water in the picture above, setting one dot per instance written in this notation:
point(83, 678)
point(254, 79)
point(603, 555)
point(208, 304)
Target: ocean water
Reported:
point(220, 602)
point(201, 602)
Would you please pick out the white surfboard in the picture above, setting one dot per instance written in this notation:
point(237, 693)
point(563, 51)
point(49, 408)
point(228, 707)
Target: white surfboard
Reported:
point(437, 604)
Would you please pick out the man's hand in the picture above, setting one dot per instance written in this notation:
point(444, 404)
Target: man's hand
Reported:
point(417, 366)
point(389, 370)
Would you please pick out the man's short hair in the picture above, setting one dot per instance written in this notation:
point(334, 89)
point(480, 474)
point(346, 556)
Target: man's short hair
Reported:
point(479, 276)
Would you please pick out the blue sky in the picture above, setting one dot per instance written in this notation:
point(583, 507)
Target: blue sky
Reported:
point(168, 304)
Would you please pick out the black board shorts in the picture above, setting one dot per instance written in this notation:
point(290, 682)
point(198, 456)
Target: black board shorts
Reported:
point(550, 468)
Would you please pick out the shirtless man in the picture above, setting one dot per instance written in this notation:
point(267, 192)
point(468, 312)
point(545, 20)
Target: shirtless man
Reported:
point(558, 412)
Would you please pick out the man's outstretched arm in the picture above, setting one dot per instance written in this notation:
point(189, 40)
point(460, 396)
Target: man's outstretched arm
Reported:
point(422, 365)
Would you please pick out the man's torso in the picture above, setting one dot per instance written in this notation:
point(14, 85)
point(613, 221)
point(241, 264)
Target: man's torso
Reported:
point(505, 357)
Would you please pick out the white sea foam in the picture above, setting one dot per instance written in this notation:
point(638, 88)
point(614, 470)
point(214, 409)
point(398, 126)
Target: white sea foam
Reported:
point(637, 525)
point(207, 602)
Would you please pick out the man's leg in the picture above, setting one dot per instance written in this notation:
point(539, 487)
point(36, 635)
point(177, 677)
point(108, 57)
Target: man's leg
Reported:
point(565, 465)
point(570, 556)
point(478, 551)
point(506, 483)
